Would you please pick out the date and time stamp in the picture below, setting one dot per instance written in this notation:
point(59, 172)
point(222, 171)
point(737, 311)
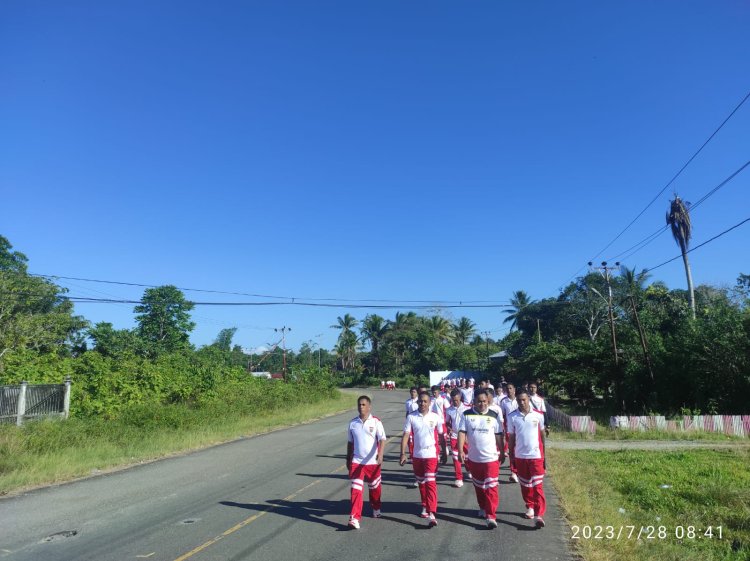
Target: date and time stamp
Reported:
point(647, 532)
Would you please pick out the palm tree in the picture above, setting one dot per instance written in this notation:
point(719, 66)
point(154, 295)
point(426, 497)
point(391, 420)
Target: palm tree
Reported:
point(373, 329)
point(440, 328)
point(678, 219)
point(347, 323)
point(518, 302)
point(634, 283)
point(463, 330)
point(347, 343)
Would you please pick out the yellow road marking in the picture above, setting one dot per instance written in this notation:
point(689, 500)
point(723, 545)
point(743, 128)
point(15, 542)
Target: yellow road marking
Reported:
point(248, 520)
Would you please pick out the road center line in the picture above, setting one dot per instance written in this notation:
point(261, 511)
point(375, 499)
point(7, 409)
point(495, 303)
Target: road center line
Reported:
point(250, 519)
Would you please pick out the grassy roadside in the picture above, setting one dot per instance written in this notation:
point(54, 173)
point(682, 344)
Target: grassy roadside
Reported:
point(606, 433)
point(673, 490)
point(48, 452)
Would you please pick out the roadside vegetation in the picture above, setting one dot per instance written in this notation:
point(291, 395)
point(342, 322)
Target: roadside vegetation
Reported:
point(688, 505)
point(606, 433)
point(52, 451)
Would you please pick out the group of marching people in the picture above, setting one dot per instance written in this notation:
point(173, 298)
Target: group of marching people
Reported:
point(471, 423)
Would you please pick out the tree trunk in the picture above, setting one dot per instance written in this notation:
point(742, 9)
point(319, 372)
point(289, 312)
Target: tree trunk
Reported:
point(689, 275)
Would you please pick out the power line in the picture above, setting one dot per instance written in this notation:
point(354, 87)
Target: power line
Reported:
point(673, 178)
point(666, 186)
point(86, 300)
point(701, 245)
point(292, 299)
point(648, 239)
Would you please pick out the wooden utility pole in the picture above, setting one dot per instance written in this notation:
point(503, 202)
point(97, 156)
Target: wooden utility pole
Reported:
point(283, 345)
point(642, 335)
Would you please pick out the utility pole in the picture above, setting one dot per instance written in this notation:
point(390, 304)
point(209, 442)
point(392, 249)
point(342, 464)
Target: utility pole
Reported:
point(605, 270)
point(538, 332)
point(487, 341)
point(646, 354)
point(318, 336)
point(283, 344)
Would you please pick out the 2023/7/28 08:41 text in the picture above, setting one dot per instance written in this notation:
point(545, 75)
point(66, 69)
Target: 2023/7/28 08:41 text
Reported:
point(646, 533)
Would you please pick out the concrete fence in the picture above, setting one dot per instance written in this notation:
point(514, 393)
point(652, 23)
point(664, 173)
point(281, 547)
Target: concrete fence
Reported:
point(733, 425)
point(571, 423)
point(24, 401)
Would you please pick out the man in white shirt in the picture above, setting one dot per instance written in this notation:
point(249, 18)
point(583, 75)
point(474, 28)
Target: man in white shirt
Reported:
point(364, 456)
point(482, 428)
point(509, 404)
point(526, 434)
point(452, 419)
point(467, 394)
point(538, 403)
point(426, 428)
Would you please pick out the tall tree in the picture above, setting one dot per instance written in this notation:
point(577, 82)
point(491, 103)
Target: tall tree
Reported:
point(678, 219)
point(347, 342)
point(463, 330)
point(33, 313)
point(164, 320)
point(518, 303)
point(224, 338)
point(372, 331)
point(440, 328)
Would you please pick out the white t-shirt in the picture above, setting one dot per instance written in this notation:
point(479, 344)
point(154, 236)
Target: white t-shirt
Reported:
point(366, 435)
point(480, 429)
point(537, 402)
point(508, 405)
point(411, 405)
point(425, 429)
point(467, 395)
point(453, 418)
point(439, 404)
point(528, 430)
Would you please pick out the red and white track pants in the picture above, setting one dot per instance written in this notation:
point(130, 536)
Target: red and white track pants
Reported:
point(358, 474)
point(484, 477)
point(531, 476)
point(425, 470)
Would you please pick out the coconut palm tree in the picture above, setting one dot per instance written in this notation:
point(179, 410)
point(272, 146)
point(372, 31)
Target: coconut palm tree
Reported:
point(440, 328)
point(373, 330)
point(634, 283)
point(678, 219)
point(463, 330)
point(347, 343)
point(518, 302)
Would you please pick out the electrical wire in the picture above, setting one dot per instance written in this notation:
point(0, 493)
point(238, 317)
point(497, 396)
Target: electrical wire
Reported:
point(699, 246)
point(673, 178)
point(292, 299)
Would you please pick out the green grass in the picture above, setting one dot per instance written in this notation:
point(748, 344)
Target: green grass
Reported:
point(626, 488)
point(47, 452)
point(606, 433)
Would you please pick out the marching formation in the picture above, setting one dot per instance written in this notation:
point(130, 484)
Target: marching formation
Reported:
point(476, 427)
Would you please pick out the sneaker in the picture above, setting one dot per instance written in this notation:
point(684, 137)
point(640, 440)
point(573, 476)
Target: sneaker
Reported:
point(491, 523)
point(481, 513)
point(376, 513)
point(354, 524)
point(513, 477)
point(415, 484)
point(529, 513)
point(432, 522)
point(539, 522)
point(424, 514)
point(458, 483)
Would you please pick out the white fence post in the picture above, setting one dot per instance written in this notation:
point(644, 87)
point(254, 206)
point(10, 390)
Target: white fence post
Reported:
point(21, 411)
point(66, 398)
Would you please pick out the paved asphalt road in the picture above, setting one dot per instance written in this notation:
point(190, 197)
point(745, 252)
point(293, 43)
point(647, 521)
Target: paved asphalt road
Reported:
point(276, 497)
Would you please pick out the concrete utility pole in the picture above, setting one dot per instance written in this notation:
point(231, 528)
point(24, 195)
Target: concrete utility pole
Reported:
point(605, 270)
point(318, 336)
point(487, 341)
point(283, 343)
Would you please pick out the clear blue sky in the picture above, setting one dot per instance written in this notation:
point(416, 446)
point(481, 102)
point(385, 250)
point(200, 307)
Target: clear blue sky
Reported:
point(365, 150)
